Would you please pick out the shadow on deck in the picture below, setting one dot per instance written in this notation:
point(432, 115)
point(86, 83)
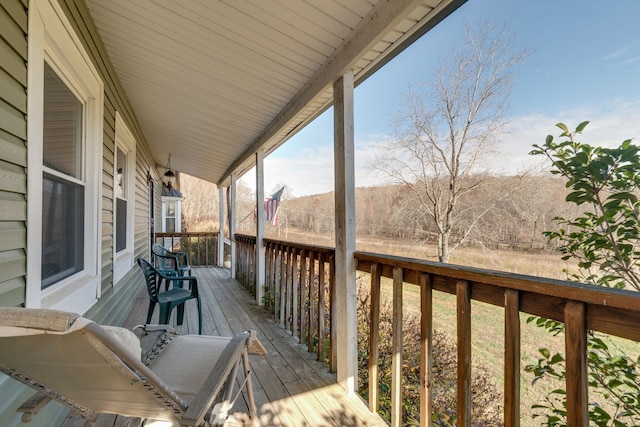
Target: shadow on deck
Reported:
point(291, 387)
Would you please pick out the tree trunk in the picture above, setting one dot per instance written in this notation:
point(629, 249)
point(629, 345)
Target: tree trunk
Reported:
point(443, 246)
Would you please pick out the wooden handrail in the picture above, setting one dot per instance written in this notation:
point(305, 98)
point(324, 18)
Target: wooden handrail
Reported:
point(298, 287)
point(612, 311)
point(202, 247)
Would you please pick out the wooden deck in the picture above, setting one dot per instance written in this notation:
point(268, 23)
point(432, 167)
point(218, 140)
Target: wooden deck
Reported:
point(291, 387)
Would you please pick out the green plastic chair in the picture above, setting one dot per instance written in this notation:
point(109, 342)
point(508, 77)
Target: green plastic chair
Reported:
point(174, 296)
point(167, 260)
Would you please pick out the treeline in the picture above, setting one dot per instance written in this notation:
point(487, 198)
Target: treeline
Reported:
point(516, 220)
point(524, 210)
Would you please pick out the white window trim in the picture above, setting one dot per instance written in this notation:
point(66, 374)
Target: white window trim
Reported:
point(123, 260)
point(178, 216)
point(51, 38)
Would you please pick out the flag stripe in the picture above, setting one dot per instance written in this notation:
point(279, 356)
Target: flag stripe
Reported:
point(272, 207)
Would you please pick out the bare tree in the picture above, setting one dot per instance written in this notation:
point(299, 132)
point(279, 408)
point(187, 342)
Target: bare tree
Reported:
point(200, 204)
point(245, 205)
point(444, 135)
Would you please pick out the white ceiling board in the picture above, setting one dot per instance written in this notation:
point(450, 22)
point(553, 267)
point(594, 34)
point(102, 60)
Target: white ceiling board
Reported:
point(212, 81)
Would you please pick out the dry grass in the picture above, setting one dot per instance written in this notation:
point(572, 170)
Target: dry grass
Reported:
point(534, 264)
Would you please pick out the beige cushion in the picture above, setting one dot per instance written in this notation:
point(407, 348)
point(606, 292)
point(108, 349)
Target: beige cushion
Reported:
point(128, 339)
point(185, 371)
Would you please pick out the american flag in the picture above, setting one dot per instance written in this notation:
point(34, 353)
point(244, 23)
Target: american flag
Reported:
point(272, 206)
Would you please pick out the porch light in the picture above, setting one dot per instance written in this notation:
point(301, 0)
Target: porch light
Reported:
point(169, 178)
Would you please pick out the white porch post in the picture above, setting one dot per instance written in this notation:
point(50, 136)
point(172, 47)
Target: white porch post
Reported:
point(221, 216)
point(345, 218)
point(232, 225)
point(260, 249)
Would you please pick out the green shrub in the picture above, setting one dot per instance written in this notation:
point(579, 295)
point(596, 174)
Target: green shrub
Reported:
point(605, 240)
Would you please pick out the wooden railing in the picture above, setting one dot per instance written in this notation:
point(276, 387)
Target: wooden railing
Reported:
point(579, 307)
point(299, 285)
point(245, 262)
point(202, 247)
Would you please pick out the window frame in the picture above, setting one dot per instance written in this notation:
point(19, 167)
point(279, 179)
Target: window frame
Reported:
point(52, 39)
point(177, 213)
point(125, 141)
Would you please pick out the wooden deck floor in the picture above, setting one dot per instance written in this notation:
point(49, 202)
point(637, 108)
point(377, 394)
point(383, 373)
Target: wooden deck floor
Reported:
point(291, 388)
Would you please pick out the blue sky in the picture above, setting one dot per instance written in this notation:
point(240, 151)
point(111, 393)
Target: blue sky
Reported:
point(584, 65)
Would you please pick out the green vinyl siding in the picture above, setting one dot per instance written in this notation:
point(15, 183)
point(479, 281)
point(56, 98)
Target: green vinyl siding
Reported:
point(13, 194)
point(13, 152)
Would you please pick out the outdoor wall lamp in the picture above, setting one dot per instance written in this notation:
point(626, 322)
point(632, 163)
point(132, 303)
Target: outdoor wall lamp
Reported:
point(169, 177)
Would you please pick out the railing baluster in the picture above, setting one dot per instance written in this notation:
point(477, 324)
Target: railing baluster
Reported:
point(267, 278)
point(332, 324)
point(295, 292)
point(313, 302)
point(426, 349)
point(396, 358)
point(206, 250)
point(463, 298)
point(272, 266)
point(290, 261)
point(283, 284)
point(374, 337)
point(511, 358)
point(252, 269)
point(321, 304)
point(302, 313)
point(576, 365)
point(244, 264)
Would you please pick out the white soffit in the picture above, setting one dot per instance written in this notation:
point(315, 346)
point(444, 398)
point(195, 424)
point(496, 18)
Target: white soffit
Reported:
point(211, 82)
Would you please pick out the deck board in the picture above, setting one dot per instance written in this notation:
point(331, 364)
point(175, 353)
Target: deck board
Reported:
point(291, 387)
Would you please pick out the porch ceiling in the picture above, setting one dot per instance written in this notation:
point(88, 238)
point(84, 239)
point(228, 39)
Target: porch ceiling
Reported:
point(211, 82)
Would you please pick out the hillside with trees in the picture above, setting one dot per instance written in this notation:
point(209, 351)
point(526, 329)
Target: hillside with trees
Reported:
point(386, 212)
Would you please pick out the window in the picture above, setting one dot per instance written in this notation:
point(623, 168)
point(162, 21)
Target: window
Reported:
point(121, 200)
point(63, 183)
point(124, 190)
point(65, 109)
point(171, 213)
point(170, 219)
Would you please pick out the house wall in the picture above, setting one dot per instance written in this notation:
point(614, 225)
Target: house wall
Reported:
point(115, 301)
point(13, 152)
